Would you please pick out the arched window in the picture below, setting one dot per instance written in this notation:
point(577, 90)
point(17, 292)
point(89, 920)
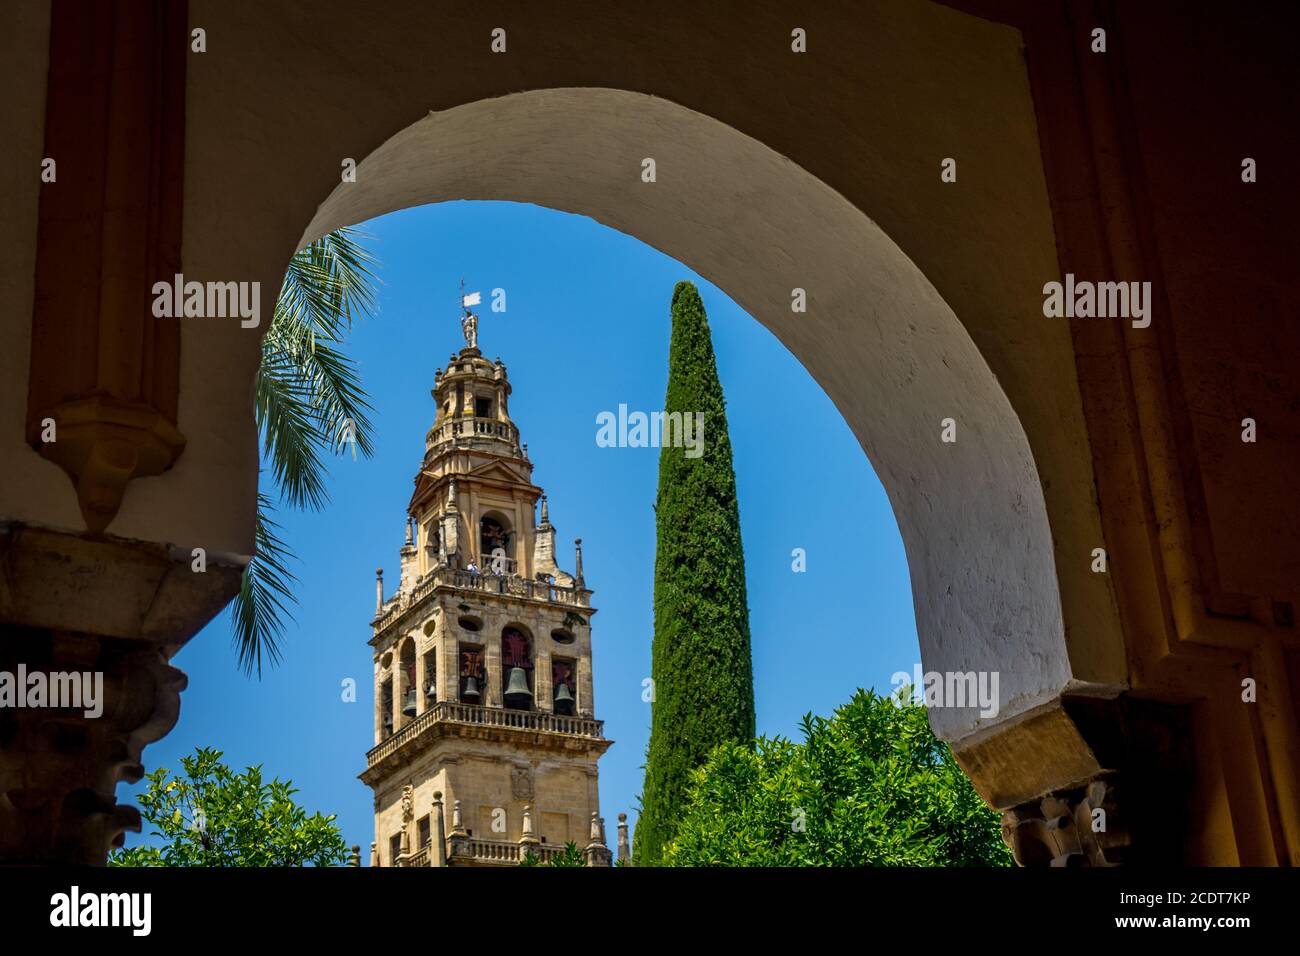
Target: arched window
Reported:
point(430, 689)
point(406, 679)
point(494, 534)
point(386, 708)
point(472, 675)
point(564, 686)
point(516, 669)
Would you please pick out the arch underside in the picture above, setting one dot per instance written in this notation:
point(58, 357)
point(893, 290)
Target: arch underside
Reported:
point(877, 336)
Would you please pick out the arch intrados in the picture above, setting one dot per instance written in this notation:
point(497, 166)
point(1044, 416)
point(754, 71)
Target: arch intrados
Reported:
point(877, 336)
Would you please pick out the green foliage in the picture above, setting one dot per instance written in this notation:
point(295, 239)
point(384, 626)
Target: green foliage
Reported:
point(211, 816)
point(703, 675)
point(309, 403)
point(871, 786)
point(571, 856)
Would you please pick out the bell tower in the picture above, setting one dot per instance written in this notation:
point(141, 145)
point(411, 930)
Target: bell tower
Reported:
point(486, 739)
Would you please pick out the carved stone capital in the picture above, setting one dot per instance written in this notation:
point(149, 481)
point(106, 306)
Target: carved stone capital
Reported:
point(1082, 827)
point(59, 768)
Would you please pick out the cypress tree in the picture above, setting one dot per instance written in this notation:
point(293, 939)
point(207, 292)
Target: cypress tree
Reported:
point(703, 675)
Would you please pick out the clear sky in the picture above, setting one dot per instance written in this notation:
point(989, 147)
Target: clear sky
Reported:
point(586, 329)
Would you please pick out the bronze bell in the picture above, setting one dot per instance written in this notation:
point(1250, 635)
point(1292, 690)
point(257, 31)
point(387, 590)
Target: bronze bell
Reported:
point(408, 705)
point(431, 690)
point(517, 691)
point(563, 699)
point(471, 692)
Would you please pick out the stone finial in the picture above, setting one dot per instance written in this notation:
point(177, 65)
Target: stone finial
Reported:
point(546, 514)
point(438, 856)
point(379, 590)
point(451, 495)
point(528, 836)
point(354, 858)
point(578, 579)
point(374, 854)
point(455, 816)
point(595, 827)
point(624, 847)
point(410, 537)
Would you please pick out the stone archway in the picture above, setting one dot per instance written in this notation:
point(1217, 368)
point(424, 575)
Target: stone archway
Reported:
point(877, 336)
point(1069, 438)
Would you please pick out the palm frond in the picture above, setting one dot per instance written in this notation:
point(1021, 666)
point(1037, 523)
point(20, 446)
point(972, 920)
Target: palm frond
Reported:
point(309, 402)
point(259, 610)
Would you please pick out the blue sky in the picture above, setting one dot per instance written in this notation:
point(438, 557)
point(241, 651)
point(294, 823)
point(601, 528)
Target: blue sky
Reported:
point(586, 329)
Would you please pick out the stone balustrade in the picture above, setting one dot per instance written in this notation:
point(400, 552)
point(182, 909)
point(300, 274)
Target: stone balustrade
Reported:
point(483, 582)
point(454, 712)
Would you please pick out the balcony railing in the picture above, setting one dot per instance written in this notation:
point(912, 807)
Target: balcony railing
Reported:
point(511, 584)
point(454, 712)
point(481, 581)
point(492, 851)
point(501, 852)
point(473, 428)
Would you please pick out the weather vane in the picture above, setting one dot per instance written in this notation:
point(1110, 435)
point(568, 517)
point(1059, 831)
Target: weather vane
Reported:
point(469, 322)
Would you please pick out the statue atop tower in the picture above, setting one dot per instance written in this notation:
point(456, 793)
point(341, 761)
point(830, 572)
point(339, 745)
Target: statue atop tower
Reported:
point(469, 321)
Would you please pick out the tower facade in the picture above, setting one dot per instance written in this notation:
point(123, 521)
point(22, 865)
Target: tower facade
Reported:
point(486, 740)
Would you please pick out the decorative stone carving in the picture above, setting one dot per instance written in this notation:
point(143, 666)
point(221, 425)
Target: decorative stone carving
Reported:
point(58, 768)
point(521, 783)
point(1074, 828)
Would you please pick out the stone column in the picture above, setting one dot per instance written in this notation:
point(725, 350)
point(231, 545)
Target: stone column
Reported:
point(104, 385)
